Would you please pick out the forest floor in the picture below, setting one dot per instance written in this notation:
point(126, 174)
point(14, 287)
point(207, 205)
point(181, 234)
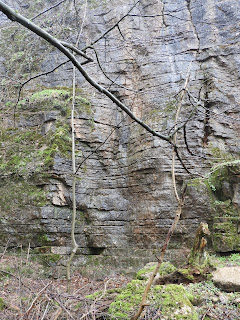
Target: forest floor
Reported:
point(28, 290)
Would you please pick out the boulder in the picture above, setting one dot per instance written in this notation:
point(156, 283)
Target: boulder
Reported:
point(227, 278)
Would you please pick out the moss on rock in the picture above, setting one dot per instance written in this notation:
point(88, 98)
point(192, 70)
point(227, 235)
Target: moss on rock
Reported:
point(225, 227)
point(48, 259)
point(28, 153)
point(30, 150)
point(169, 302)
point(187, 274)
point(59, 98)
point(220, 182)
point(165, 268)
point(17, 194)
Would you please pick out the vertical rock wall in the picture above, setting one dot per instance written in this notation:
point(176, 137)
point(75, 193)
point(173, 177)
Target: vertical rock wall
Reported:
point(125, 198)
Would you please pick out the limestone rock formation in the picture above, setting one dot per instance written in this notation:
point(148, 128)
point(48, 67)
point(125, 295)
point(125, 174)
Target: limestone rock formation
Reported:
point(227, 278)
point(125, 198)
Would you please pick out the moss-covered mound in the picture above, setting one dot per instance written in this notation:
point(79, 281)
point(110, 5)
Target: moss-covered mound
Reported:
point(165, 302)
point(165, 268)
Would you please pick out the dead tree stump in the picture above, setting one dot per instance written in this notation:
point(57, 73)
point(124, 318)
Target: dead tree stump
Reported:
point(198, 256)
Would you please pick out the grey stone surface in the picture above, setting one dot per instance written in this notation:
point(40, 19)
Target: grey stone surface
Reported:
point(227, 278)
point(124, 193)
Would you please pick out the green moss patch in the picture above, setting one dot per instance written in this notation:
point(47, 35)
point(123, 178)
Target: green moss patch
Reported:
point(222, 172)
point(29, 153)
point(165, 268)
point(187, 274)
point(225, 227)
point(169, 302)
point(26, 158)
point(59, 98)
point(17, 194)
point(2, 304)
point(48, 259)
point(219, 183)
point(46, 99)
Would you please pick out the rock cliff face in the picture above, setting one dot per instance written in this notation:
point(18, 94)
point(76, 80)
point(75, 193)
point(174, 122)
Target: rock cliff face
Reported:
point(125, 197)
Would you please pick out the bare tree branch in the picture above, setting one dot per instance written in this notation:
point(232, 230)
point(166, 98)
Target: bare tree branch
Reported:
point(160, 258)
point(30, 79)
point(180, 159)
point(112, 27)
point(74, 207)
point(185, 140)
point(12, 15)
point(178, 128)
point(39, 14)
point(87, 157)
point(113, 82)
point(180, 202)
point(80, 52)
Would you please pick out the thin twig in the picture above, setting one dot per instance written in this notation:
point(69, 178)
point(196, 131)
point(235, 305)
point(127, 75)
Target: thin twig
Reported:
point(111, 28)
point(45, 311)
point(35, 300)
point(185, 140)
point(39, 14)
point(63, 307)
point(76, 50)
point(94, 151)
point(74, 209)
point(30, 79)
point(203, 317)
point(9, 273)
point(113, 82)
point(174, 135)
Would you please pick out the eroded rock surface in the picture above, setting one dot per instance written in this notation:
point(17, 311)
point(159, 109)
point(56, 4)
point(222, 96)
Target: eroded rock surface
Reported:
point(125, 198)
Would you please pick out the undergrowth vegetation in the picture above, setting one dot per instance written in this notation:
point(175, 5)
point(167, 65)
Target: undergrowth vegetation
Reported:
point(29, 290)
